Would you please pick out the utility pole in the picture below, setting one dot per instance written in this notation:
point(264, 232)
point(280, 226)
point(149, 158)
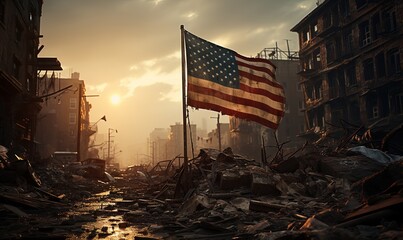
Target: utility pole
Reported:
point(109, 142)
point(218, 131)
point(79, 122)
point(153, 152)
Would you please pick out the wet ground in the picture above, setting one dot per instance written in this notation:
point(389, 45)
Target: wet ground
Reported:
point(99, 211)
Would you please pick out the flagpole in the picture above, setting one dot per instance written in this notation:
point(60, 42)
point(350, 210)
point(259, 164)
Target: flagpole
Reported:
point(185, 151)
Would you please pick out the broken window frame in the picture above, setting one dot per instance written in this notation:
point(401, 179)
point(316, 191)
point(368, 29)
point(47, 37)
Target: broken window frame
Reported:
point(311, 64)
point(380, 65)
point(29, 83)
point(384, 103)
point(305, 36)
point(389, 20)
point(321, 116)
point(365, 33)
point(344, 8)
point(73, 103)
point(330, 52)
point(314, 29)
point(312, 119)
point(314, 89)
point(316, 118)
point(309, 90)
point(348, 43)
point(350, 75)
point(327, 20)
point(318, 89)
point(336, 115)
point(368, 69)
point(333, 83)
point(375, 25)
point(393, 58)
point(317, 59)
point(72, 118)
point(371, 102)
point(354, 115)
point(306, 64)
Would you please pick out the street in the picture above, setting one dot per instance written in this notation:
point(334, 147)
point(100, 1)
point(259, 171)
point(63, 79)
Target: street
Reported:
point(225, 196)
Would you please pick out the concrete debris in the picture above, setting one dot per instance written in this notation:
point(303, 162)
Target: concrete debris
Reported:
point(227, 196)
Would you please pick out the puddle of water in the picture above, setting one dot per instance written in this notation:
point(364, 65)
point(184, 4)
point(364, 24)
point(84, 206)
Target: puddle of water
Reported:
point(109, 222)
point(110, 227)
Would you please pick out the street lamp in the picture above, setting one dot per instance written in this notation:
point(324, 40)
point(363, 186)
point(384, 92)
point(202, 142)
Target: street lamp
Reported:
point(102, 118)
point(109, 141)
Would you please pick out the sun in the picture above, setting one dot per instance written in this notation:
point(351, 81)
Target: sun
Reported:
point(115, 99)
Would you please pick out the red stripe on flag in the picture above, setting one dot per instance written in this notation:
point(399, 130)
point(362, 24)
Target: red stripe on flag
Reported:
point(230, 112)
point(262, 92)
point(256, 60)
point(259, 79)
point(234, 99)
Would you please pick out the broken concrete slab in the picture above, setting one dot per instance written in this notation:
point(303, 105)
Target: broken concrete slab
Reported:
point(352, 168)
point(264, 184)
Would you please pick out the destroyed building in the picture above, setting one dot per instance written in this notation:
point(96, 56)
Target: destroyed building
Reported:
point(351, 68)
point(157, 145)
point(176, 143)
point(62, 115)
point(218, 138)
point(19, 63)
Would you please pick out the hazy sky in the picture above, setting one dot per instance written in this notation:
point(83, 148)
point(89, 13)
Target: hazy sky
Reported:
point(128, 52)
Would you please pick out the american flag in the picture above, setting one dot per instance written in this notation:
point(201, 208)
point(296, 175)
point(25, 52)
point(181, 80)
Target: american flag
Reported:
point(220, 79)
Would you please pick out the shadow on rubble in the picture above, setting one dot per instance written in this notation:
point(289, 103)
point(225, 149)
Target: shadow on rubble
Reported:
point(31, 199)
point(343, 190)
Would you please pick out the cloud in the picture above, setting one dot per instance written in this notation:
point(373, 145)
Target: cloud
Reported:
point(99, 88)
point(165, 70)
point(152, 77)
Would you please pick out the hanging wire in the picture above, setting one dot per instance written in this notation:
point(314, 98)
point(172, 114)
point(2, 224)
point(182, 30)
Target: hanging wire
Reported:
point(190, 132)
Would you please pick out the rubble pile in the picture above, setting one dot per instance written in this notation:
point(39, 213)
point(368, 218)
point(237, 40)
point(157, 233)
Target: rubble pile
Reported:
point(33, 203)
point(355, 193)
point(303, 197)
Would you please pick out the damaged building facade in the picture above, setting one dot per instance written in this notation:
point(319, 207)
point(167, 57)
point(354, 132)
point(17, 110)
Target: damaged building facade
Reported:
point(19, 64)
point(63, 123)
point(351, 65)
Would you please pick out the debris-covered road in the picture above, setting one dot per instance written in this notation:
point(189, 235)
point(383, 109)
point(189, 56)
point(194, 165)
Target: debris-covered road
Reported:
point(220, 196)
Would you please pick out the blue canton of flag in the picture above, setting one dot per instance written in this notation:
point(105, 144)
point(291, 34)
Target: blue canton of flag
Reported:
point(211, 62)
